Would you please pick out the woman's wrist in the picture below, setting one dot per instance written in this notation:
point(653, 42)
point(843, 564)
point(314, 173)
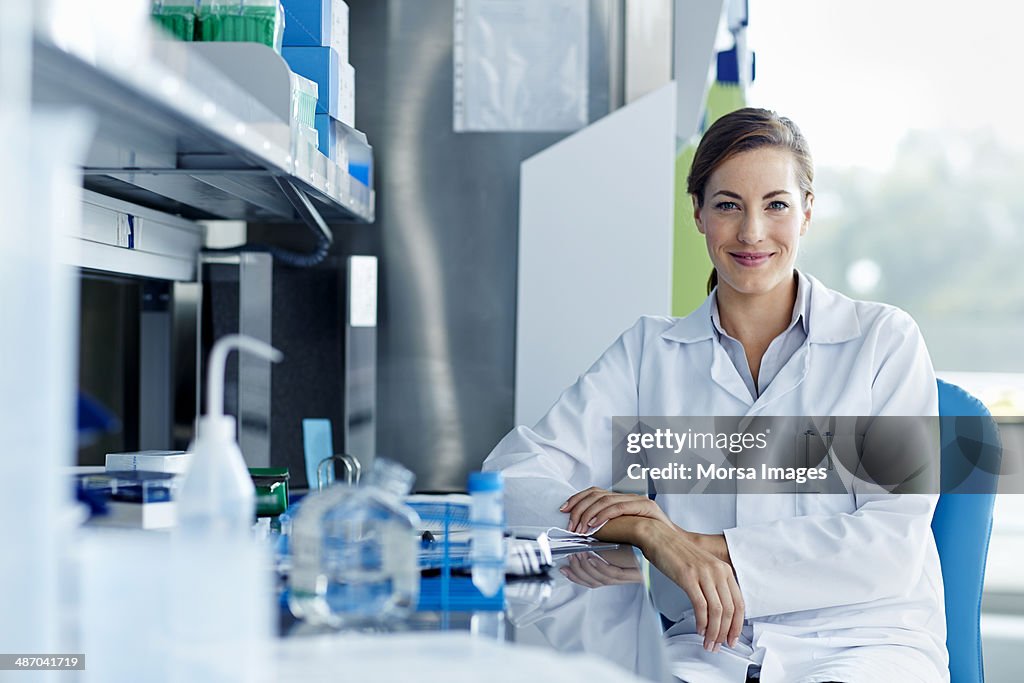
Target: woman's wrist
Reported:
point(650, 534)
point(625, 529)
point(712, 543)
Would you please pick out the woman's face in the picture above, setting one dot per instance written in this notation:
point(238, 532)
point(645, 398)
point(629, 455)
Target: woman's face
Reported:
point(753, 219)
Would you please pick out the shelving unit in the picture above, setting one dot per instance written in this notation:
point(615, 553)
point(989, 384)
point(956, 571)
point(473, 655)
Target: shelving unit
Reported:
point(183, 132)
point(176, 135)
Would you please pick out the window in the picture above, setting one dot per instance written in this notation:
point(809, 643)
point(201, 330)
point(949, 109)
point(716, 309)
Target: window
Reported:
point(913, 117)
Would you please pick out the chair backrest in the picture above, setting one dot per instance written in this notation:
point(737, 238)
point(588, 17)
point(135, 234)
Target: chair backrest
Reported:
point(963, 522)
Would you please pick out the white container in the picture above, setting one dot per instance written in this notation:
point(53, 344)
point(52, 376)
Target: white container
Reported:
point(487, 516)
point(125, 596)
point(221, 607)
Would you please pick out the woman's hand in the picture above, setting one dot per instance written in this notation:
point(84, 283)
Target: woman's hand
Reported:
point(593, 507)
point(708, 580)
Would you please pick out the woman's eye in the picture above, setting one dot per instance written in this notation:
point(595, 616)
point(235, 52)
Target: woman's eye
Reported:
point(778, 206)
point(726, 206)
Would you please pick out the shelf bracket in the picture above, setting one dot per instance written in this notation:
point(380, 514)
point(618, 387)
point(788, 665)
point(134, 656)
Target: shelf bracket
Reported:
point(313, 220)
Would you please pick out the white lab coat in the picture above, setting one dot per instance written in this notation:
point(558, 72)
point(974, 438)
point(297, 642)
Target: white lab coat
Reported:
point(844, 588)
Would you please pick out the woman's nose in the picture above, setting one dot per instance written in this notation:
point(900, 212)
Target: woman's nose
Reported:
point(752, 230)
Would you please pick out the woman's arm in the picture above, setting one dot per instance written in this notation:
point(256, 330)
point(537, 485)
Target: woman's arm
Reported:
point(569, 448)
point(692, 562)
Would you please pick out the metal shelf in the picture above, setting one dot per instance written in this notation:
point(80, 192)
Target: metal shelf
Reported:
point(176, 135)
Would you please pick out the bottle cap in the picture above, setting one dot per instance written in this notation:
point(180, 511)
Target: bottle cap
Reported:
point(216, 428)
point(391, 476)
point(485, 481)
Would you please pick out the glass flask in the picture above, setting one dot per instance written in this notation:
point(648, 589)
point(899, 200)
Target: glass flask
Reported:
point(354, 552)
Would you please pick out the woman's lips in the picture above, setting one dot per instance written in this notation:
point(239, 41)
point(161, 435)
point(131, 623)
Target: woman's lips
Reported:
point(750, 260)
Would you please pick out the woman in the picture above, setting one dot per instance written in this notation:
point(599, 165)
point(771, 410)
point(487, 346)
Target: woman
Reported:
point(833, 588)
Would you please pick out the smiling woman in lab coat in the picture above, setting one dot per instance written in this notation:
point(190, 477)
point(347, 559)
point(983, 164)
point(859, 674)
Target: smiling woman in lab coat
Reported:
point(837, 588)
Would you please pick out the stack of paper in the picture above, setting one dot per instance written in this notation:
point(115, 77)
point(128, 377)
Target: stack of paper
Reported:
point(559, 540)
point(176, 462)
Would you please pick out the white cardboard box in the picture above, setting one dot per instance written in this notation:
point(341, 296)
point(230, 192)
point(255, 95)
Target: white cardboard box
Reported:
point(150, 461)
point(162, 515)
point(339, 29)
point(347, 95)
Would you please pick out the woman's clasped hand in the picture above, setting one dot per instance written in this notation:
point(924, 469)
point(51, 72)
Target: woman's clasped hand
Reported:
point(698, 563)
point(594, 506)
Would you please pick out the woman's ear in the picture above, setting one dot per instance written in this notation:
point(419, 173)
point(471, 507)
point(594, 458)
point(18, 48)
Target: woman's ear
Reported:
point(696, 213)
point(808, 205)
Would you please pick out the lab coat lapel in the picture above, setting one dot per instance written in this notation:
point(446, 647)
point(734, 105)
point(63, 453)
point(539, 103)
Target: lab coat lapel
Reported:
point(789, 378)
point(725, 375)
point(697, 327)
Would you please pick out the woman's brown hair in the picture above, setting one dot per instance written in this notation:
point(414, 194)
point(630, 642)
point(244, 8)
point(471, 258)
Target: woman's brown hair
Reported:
point(742, 131)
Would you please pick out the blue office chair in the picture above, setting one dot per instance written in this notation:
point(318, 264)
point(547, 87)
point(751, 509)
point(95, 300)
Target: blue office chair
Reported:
point(962, 523)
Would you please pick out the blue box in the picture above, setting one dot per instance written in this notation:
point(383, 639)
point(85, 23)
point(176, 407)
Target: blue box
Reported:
point(318, 64)
point(307, 23)
point(347, 148)
point(327, 136)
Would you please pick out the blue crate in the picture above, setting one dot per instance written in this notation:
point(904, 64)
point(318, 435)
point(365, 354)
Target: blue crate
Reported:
point(450, 592)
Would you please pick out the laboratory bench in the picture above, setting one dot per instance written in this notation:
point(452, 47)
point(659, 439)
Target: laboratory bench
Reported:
point(589, 618)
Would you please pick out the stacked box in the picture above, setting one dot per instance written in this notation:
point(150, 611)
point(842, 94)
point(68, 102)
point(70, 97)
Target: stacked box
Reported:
point(259, 21)
point(319, 64)
point(178, 19)
point(307, 23)
point(317, 23)
point(323, 24)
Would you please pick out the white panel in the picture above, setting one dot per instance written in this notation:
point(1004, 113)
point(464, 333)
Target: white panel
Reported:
point(595, 244)
point(696, 30)
point(362, 291)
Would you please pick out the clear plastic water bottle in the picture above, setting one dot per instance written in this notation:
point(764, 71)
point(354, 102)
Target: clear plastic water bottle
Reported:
point(354, 552)
point(487, 515)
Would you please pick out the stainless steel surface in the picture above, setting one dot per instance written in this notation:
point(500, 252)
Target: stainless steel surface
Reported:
point(360, 404)
point(648, 46)
point(255, 313)
point(186, 343)
point(609, 20)
point(238, 299)
point(447, 220)
point(155, 367)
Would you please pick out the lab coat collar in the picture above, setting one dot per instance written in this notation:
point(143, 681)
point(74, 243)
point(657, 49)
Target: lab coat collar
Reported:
point(832, 317)
point(695, 327)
